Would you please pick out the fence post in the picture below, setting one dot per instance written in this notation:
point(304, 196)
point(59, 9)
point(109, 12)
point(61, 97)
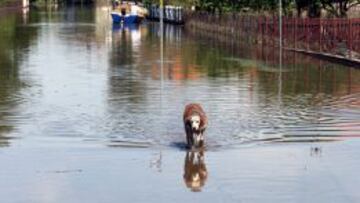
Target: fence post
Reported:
point(307, 33)
point(335, 36)
point(258, 28)
point(350, 37)
point(320, 35)
point(283, 30)
point(266, 28)
point(274, 30)
point(295, 32)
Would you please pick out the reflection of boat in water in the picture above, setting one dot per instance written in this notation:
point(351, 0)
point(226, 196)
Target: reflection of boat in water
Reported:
point(127, 28)
point(127, 38)
point(127, 12)
point(131, 32)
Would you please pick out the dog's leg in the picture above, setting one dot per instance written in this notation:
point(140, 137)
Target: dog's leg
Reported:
point(189, 135)
point(201, 136)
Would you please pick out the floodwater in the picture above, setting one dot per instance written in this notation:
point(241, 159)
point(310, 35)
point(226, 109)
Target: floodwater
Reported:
point(90, 113)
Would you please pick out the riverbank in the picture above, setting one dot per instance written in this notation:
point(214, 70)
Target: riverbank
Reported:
point(330, 57)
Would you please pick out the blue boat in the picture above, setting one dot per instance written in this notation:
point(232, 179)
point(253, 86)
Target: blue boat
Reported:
point(128, 13)
point(126, 19)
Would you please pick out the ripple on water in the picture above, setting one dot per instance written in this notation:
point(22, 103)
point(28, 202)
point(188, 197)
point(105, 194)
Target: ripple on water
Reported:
point(124, 103)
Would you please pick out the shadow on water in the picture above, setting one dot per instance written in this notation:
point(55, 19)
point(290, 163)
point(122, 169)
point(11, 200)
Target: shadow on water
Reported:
point(129, 144)
point(195, 171)
point(179, 145)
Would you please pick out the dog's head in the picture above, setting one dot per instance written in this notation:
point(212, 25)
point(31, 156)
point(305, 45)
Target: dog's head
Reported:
point(195, 122)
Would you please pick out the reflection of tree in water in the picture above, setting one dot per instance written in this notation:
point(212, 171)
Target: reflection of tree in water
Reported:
point(14, 40)
point(308, 93)
point(195, 172)
point(178, 62)
point(78, 14)
point(301, 74)
point(202, 55)
point(304, 74)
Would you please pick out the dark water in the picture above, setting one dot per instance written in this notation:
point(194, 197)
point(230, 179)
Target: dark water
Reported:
point(69, 79)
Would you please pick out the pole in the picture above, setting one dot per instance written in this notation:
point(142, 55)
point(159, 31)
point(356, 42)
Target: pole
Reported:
point(280, 54)
point(161, 10)
point(161, 60)
point(161, 32)
point(280, 22)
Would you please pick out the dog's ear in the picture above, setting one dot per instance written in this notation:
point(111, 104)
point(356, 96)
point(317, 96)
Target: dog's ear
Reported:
point(203, 123)
point(187, 119)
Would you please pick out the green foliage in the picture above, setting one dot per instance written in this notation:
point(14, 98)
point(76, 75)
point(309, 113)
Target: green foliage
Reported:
point(313, 7)
point(338, 8)
point(238, 5)
point(6, 2)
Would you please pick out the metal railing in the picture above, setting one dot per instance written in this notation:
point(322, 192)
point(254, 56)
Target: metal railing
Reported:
point(171, 14)
point(334, 36)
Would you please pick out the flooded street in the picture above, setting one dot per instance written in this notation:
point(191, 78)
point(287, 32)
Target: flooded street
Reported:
point(89, 113)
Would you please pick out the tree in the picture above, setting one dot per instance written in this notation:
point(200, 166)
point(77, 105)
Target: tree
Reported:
point(339, 8)
point(312, 6)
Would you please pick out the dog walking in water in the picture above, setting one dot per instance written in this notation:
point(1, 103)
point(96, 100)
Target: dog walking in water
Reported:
point(195, 122)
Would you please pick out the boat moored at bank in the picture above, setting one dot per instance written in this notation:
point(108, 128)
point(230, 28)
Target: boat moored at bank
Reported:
point(128, 12)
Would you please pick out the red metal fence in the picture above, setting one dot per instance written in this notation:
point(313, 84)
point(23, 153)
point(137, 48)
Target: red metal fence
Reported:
point(334, 36)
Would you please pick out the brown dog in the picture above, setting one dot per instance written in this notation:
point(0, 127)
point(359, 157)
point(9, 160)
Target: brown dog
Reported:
point(195, 122)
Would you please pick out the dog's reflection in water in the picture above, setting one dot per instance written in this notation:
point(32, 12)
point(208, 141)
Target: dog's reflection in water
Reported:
point(195, 173)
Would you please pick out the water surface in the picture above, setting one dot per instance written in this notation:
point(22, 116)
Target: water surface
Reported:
point(71, 81)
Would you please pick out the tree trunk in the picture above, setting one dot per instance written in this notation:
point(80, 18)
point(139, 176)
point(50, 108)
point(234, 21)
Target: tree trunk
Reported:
point(343, 9)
